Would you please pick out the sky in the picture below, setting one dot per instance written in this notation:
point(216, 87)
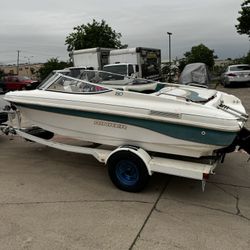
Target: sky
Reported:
point(38, 29)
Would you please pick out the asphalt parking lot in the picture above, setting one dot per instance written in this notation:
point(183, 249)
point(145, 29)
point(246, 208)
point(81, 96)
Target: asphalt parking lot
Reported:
point(50, 199)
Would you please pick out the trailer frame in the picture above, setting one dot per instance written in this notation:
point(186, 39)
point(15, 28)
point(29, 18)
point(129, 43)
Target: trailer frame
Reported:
point(148, 161)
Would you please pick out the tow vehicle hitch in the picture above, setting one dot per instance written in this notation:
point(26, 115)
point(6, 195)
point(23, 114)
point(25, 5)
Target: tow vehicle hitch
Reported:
point(243, 140)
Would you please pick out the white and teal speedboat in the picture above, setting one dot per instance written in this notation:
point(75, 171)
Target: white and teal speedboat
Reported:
point(158, 117)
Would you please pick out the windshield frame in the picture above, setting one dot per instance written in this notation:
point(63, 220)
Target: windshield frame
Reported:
point(57, 77)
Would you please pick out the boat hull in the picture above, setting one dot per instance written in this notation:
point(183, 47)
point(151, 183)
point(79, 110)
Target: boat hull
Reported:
point(119, 130)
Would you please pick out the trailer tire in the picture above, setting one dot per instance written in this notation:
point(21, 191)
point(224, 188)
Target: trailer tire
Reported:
point(127, 171)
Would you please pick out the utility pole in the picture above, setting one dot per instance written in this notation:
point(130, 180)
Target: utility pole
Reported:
point(169, 54)
point(17, 63)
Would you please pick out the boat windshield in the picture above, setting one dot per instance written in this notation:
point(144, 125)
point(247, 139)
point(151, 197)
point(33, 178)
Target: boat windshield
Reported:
point(105, 79)
point(72, 85)
point(51, 76)
point(108, 78)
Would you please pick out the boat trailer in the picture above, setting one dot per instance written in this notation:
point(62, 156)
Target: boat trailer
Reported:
point(129, 166)
point(119, 157)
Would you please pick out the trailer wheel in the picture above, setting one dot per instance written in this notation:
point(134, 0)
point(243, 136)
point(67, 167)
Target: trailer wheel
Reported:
point(127, 171)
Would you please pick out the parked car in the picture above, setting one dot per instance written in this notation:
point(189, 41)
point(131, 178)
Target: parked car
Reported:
point(19, 83)
point(236, 74)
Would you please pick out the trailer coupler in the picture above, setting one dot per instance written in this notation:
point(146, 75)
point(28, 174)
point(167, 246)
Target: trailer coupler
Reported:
point(243, 140)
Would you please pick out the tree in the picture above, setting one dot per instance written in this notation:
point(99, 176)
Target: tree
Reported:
point(169, 71)
point(244, 20)
point(182, 63)
point(50, 65)
point(200, 53)
point(93, 35)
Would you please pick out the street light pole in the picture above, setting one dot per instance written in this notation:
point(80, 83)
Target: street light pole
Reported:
point(17, 63)
point(169, 54)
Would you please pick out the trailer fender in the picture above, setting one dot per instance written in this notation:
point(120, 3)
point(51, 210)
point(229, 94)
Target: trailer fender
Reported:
point(139, 152)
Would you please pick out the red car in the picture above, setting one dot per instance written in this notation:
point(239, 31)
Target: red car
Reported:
point(19, 83)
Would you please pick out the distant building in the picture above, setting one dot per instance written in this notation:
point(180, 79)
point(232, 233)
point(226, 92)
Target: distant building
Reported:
point(30, 70)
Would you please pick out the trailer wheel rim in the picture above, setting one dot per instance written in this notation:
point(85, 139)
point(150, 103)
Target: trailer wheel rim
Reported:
point(127, 172)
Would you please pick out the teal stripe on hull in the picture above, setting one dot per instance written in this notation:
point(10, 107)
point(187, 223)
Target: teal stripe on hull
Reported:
point(178, 131)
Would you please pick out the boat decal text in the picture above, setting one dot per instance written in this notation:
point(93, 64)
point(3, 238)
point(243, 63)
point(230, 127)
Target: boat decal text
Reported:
point(118, 93)
point(110, 124)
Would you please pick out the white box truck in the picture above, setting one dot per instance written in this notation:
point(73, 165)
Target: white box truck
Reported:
point(94, 57)
point(138, 62)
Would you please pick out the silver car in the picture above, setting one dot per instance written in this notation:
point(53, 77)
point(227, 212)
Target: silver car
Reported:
point(236, 74)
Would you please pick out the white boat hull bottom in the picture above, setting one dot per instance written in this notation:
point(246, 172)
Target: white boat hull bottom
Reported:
point(115, 134)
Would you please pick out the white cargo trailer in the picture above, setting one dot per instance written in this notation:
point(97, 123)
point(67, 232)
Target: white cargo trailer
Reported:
point(94, 57)
point(140, 62)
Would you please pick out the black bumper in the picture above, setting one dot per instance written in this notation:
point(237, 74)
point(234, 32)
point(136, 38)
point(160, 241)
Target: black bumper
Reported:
point(244, 140)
